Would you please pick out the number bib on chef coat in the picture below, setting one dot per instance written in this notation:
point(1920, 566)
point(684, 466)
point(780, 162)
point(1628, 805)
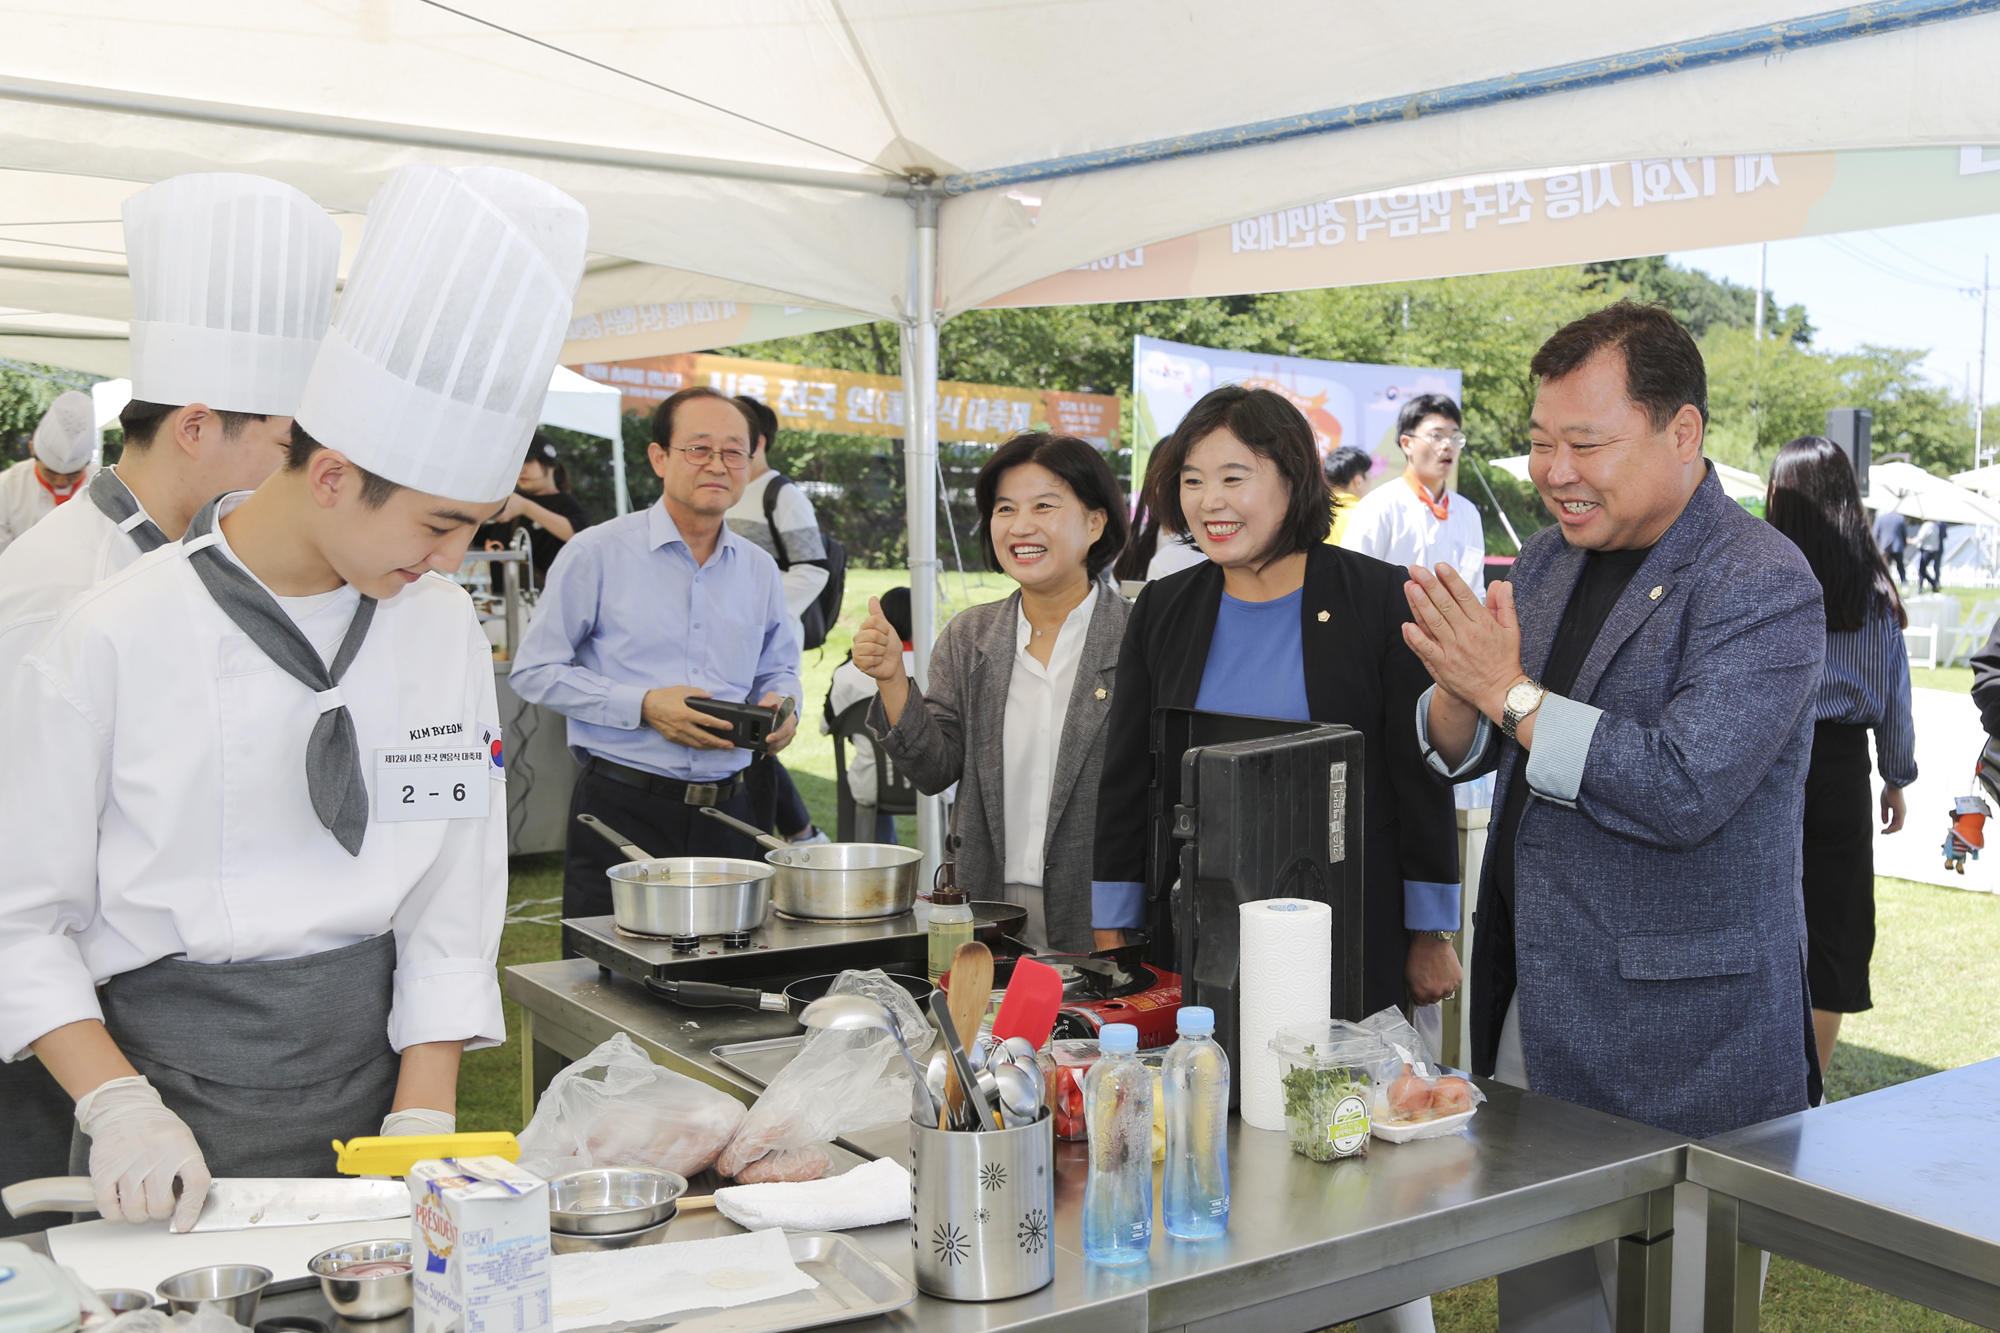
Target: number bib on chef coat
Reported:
point(447, 780)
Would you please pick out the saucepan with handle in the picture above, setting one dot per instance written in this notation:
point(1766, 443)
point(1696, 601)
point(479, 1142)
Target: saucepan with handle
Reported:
point(835, 881)
point(681, 896)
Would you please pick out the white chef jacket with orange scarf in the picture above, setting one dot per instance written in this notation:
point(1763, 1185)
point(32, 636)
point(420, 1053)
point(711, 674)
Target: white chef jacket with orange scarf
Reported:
point(153, 803)
point(1394, 523)
point(25, 499)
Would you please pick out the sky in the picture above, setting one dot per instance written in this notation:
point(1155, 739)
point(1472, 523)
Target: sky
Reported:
point(1897, 286)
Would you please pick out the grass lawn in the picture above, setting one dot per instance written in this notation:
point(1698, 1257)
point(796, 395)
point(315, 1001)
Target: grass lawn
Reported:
point(1936, 973)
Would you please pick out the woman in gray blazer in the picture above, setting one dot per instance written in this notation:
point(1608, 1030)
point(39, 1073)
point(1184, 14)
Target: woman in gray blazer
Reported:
point(1020, 688)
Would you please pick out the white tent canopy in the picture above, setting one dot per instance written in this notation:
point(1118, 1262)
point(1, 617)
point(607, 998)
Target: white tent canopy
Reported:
point(902, 158)
point(1920, 495)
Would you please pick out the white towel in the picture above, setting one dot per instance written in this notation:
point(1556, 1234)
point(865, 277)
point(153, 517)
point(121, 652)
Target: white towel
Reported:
point(876, 1192)
point(647, 1282)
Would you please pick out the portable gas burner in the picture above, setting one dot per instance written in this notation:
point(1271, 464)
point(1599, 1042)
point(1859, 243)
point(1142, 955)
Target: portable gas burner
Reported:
point(780, 948)
point(687, 944)
point(1110, 987)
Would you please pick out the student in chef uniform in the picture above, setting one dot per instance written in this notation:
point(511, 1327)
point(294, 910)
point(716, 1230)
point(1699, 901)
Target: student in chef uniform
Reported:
point(215, 381)
point(35, 487)
point(232, 288)
point(252, 786)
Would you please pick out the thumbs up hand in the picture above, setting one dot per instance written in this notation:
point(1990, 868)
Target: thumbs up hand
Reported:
point(878, 649)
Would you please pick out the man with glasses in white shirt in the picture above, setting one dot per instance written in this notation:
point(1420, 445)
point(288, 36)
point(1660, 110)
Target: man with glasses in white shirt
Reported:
point(638, 616)
point(1413, 519)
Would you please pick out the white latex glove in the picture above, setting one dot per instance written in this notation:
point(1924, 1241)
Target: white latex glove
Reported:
point(418, 1120)
point(137, 1150)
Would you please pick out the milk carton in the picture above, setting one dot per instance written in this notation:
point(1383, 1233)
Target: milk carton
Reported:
point(480, 1233)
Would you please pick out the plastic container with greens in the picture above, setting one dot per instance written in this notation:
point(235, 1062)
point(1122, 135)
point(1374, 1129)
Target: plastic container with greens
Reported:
point(1328, 1089)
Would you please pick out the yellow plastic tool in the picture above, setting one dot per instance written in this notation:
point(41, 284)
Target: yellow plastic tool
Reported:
point(395, 1156)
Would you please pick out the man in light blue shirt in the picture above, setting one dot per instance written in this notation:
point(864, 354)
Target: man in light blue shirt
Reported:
point(643, 613)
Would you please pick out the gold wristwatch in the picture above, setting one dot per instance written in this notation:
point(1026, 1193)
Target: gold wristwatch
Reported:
point(1523, 698)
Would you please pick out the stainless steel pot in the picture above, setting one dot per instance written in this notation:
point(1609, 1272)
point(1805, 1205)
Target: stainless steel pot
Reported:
point(682, 896)
point(836, 881)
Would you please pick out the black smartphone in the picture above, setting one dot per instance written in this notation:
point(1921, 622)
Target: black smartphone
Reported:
point(750, 725)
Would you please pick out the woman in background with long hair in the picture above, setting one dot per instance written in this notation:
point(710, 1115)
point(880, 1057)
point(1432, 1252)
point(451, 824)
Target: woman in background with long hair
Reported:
point(1814, 500)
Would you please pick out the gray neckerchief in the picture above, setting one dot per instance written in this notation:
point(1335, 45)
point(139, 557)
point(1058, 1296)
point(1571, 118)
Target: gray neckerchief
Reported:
point(333, 754)
point(114, 499)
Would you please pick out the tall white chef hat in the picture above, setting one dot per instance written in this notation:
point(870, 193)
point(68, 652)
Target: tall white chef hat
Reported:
point(232, 288)
point(67, 435)
point(436, 367)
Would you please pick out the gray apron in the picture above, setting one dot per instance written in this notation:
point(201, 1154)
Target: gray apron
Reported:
point(266, 1062)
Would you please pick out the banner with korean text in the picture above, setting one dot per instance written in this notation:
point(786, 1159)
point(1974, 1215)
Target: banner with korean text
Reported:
point(852, 403)
point(1535, 219)
point(1345, 402)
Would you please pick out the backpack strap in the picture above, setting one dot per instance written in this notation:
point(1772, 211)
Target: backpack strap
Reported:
point(778, 479)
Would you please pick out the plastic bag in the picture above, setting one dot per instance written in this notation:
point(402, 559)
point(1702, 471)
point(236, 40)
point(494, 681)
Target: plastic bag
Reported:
point(1415, 1096)
point(839, 1082)
point(615, 1107)
point(207, 1319)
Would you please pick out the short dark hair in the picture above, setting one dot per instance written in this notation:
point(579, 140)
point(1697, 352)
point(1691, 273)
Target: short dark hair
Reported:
point(1270, 427)
point(1080, 466)
point(375, 491)
point(896, 610)
point(1345, 464)
point(1664, 371)
point(763, 421)
point(663, 415)
point(1427, 405)
point(1815, 500)
point(140, 421)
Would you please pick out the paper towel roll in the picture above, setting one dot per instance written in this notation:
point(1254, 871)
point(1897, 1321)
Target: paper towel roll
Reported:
point(1284, 975)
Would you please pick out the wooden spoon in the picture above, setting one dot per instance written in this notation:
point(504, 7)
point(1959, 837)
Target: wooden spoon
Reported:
point(971, 990)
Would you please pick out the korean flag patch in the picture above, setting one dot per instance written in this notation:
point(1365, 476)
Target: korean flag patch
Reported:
point(496, 756)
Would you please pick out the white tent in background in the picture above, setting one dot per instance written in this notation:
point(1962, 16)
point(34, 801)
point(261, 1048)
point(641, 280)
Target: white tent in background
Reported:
point(1736, 483)
point(829, 161)
point(1920, 495)
point(589, 408)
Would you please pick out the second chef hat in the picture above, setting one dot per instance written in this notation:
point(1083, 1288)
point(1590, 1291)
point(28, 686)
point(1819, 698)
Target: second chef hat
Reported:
point(435, 371)
point(232, 288)
point(67, 434)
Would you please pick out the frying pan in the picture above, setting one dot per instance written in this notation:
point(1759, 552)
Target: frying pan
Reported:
point(795, 997)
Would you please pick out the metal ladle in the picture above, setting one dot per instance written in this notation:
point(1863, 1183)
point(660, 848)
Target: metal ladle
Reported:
point(849, 1013)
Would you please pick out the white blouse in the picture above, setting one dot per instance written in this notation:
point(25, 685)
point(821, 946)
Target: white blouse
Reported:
point(1037, 704)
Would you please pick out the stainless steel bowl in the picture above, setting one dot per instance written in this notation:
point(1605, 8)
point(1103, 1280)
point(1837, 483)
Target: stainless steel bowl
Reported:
point(233, 1289)
point(844, 881)
point(690, 895)
point(613, 1200)
point(124, 1300)
point(378, 1291)
point(562, 1243)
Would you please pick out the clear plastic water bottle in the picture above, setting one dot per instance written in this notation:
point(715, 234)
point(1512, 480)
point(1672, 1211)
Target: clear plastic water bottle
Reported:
point(1118, 1109)
point(1195, 1080)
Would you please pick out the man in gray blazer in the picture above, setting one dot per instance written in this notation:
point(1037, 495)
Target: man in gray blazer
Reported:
point(1643, 687)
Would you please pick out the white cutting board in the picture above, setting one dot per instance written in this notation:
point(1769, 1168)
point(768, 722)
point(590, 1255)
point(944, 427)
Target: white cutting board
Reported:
point(119, 1254)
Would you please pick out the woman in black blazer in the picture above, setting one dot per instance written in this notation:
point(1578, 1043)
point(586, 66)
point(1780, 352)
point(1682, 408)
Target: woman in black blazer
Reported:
point(1309, 631)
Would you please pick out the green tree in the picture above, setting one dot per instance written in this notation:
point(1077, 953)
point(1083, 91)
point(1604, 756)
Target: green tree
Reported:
point(26, 390)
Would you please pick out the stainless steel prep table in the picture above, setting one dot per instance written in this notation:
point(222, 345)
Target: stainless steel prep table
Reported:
point(1310, 1244)
point(1898, 1189)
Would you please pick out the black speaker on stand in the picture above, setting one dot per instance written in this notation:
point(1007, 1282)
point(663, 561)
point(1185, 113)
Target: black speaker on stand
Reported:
point(1852, 428)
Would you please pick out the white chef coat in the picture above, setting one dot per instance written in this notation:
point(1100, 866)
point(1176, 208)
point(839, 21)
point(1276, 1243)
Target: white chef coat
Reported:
point(74, 548)
point(24, 501)
point(1392, 524)
point(1031, 736)
point(153, 802)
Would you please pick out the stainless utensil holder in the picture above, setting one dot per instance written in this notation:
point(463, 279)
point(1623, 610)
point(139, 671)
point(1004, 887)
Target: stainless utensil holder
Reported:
point(982, 1212)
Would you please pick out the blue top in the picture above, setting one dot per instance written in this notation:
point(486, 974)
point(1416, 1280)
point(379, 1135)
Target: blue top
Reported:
point(627, 610)
point(1866, 683)
point(1892, 534)
point(1257, 660)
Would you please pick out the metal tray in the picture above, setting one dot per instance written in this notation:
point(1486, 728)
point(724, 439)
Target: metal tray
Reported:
point(853, 1284)
point(759, 1061)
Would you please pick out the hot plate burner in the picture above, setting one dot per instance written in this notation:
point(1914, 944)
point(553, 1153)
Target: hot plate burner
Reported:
point(688, 943)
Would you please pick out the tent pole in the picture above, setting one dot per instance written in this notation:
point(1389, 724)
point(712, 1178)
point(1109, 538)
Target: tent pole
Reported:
point(619, 491)
point(920, 379)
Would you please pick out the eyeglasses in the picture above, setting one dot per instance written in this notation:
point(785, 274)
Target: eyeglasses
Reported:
point(699, 455)
point(1456, 439)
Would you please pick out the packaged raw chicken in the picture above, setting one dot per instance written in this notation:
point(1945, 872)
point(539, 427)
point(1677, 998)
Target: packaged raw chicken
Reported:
point(1415, 1097)
point(615, 1107)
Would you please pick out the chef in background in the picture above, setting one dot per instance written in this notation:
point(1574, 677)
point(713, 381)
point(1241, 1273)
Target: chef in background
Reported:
point(215, 382)
point(1415, 519)
point(253, 804)
point(55, 471)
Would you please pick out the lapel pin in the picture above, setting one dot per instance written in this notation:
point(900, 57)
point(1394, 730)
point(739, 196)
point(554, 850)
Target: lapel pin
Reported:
point(1323, 617)
point(1100, 691)
point(1655, 593)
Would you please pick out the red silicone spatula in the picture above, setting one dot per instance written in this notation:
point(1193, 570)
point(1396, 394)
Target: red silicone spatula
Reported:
point(1034, 993)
